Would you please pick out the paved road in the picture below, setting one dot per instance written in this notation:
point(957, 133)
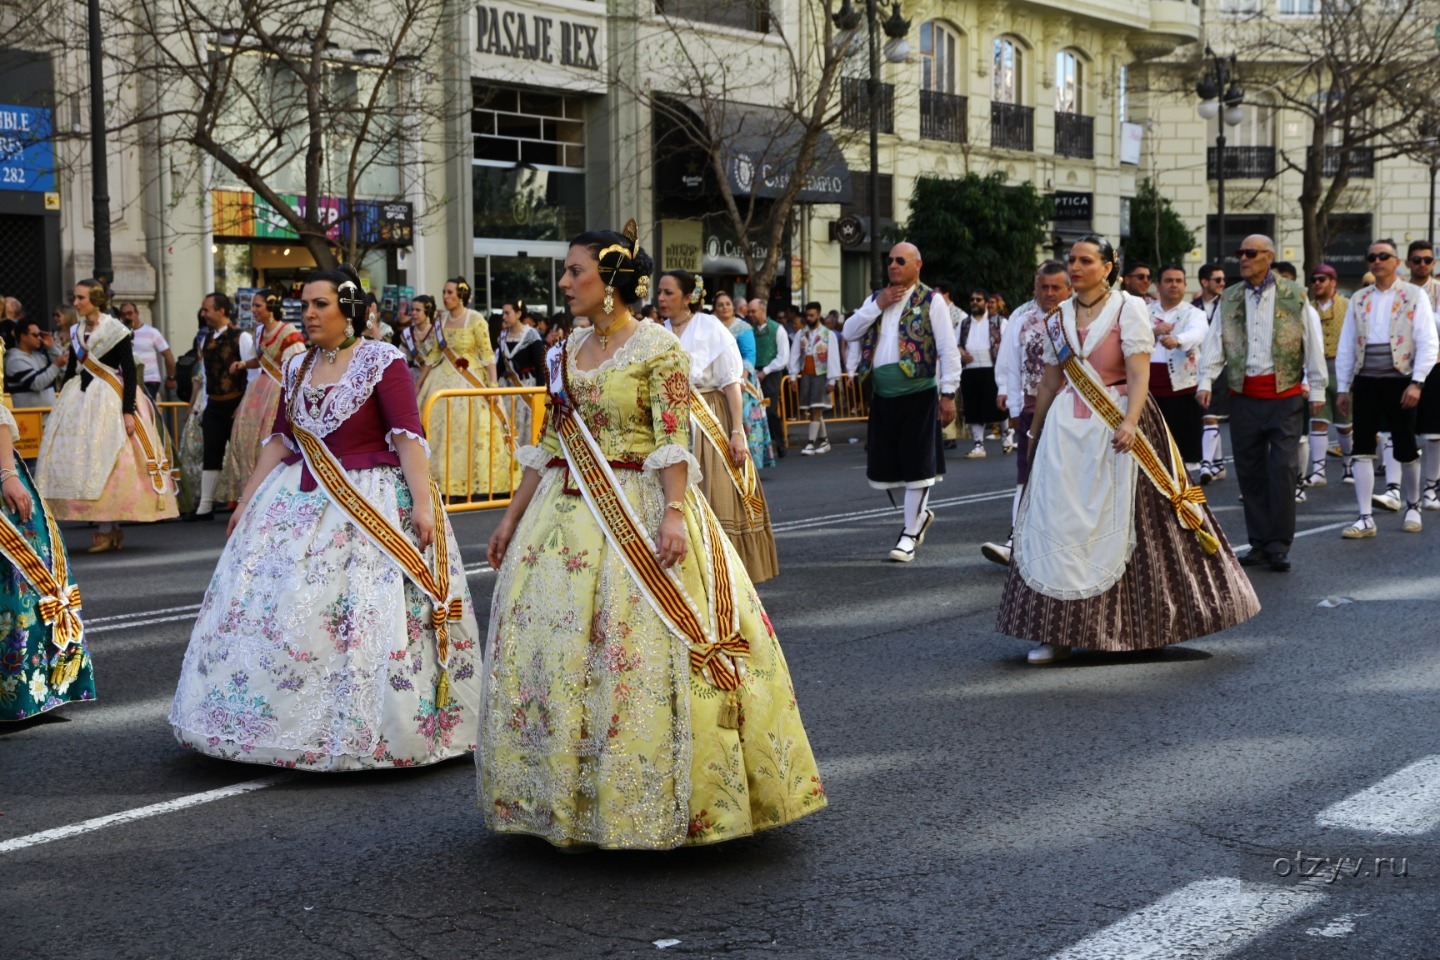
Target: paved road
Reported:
point(1166, 805)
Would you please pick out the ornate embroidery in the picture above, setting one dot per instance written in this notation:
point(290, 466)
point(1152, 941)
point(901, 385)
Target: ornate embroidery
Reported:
point(322, 410)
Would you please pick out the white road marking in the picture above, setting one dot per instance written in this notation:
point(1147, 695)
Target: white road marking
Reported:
point(1205, 920)
point(139, 813)
point(1406, 803)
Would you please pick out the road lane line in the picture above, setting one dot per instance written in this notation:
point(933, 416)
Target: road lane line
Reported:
point(1205, 920)
point(1406, 803)
point(139, 813)
point(188, 608)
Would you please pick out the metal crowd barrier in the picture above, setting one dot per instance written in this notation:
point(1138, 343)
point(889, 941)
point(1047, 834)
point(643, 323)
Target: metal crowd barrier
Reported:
point(31, 419)
point(845, 394)
point(501, 429)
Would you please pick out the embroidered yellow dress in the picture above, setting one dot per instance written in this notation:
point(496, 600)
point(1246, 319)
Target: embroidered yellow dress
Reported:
point(594, 730)
point(469, 455)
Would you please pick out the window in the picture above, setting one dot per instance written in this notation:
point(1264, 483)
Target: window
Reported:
point(527, 126)
point(1124, 98)
point(1239, 7)
point(1067, 82)
point(939, 65)
point(1005, 80)
point(1256, 127)
point(740, 14)
point(1299, 8)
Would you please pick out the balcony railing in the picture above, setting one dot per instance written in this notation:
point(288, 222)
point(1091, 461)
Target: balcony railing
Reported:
point(1243, 163)
point(1074, 136)
point(1012, 126)
point(1362, 162)
point(944, 116)
point(855, 105)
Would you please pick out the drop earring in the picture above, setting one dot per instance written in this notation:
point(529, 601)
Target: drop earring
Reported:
point(349, 330)
point(609, 302)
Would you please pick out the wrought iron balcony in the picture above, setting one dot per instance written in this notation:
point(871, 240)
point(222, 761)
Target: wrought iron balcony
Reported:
point(1362, 163)
point(944, 116)
point(855, 105)
point(1243, 163)
point(1074, 136)
point(1012, 126)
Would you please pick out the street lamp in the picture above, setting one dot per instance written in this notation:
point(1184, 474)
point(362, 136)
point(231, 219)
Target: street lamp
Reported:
point(897, 49)
point(1220, 76)
point(99, 170)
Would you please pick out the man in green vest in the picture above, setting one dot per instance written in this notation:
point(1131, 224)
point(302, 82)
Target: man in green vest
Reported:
point(772, 359)
point(1270, 342)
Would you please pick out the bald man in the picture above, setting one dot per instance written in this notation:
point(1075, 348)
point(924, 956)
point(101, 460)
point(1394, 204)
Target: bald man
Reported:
point(1270, 341)
point(909, 356)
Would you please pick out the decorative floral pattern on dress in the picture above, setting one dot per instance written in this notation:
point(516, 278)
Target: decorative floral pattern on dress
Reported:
point(321, 411)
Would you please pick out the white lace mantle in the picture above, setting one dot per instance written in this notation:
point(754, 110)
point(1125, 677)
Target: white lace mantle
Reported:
point(646, 343)
point(322, 409)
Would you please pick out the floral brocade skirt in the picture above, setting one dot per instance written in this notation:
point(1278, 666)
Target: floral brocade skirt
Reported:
point(35, 675)
point(757, 424)
point(595, 730)
point(254, 420)
point(312, 649)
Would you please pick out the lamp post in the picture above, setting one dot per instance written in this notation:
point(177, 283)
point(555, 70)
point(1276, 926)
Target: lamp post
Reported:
point(897, 49)
point(99, 172)
point(1220, 76)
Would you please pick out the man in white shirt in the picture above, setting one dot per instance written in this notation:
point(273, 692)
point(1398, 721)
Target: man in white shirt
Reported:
point(815, 367)
point(1387, 348)
point(1268, 340)
point(978, 340)
point(907, 353)
point(1174, 363)
point(151, 349)
point(1018, 368)
point(1421, 260)
point(1212, 454)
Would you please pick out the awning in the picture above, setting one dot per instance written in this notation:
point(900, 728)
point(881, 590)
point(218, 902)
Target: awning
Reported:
point(759, 147)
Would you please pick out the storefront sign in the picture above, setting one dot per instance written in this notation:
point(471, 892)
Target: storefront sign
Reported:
point(682, 243)
point(554, 39)
point(238, 213)
point(1074, 206)
point(27, 155)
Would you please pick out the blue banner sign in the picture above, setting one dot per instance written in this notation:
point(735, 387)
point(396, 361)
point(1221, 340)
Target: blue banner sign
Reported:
point(27, 154)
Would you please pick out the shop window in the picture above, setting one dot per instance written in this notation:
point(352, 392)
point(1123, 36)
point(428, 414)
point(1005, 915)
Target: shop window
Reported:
point(531, 127)
point(740, 14)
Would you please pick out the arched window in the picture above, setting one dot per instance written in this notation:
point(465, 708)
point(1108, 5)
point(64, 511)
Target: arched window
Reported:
point(939, 58)
point(1005, 81)
point(1067, 82)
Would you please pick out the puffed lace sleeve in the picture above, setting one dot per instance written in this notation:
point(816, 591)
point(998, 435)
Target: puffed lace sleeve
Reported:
point(670, 411)
point(1137, 334)
point(398, 407)
point(538, 456)
point(7, 419)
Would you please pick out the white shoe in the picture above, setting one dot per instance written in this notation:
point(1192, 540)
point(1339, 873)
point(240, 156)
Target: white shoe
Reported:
point(1412, 522)
point(1389, 500)
point(1430, 499)
point(1362, 529)
point(925, 522)
point(1349, 476)
point(977, 452)
point(1048, 653)
point(997, 552)
point(904, 550)
point(1008, 445)
point(1219, 472)
point(809, 450)
point(1316, 479)
point(824, 447)
point(1300, 496)
point(1207, 473)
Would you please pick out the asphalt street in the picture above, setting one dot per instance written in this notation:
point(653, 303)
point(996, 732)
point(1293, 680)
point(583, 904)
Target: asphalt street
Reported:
point(1226, 797)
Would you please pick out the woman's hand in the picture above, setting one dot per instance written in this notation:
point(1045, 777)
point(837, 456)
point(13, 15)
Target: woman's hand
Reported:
point(17, 498)
point(129, 424)
point(739, 450)
point(1124, 437)
point(500, 542)
point(422, 518)
point(234, 519)
point(671, 544)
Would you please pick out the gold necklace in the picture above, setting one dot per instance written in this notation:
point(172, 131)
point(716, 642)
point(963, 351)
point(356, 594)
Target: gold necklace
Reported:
point(604, 336)
point(1092, 303)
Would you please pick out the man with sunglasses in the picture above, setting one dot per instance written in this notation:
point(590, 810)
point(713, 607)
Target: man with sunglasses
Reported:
point(1421, 260)
point(1388, 346)
point(1332, 308)
point(907, 348)
point(1269, 340)
point(1136, 281)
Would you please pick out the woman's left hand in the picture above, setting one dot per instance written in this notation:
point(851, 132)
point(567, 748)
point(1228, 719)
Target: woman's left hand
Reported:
point(423, 519)
point(739, 450)
point(1124, 440)
point(17, 498)
point(129, 424)
point(671, 544)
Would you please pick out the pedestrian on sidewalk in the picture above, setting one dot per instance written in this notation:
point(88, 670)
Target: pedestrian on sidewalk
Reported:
point(816, 366)
point(907, 347)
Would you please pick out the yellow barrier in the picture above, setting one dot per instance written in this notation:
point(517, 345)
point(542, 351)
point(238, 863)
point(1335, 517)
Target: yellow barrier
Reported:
point(30, 419)
point(848, 401)
point(458, 406)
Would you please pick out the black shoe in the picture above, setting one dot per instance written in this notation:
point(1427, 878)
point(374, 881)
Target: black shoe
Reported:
point(1254, 558)
point(950, 444)
point(1280, 562)
point(191, 517)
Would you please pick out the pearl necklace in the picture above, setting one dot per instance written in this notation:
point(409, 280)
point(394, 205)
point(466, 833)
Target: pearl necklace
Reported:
point(330, 354)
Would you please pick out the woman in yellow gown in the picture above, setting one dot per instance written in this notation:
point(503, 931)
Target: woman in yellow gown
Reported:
point(603, 724)
point(470, 455)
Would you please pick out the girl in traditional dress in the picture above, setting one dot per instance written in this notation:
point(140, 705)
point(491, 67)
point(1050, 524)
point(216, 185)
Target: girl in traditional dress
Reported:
point(521, 364)
point(752, 399)
point(337, 632)
point(1114, 549)
point(716, 372)
point(44, 662)
point(471, 456)
point(276, 341)
point(636, 695)
point(101, 457)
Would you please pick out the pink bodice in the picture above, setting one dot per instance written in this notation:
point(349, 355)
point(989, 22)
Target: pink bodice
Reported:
point(1108, 359)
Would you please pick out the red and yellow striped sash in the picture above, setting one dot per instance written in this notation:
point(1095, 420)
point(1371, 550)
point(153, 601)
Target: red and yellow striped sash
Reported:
point(59, 603)
point(271, 368)
point(746, 481)
point(1172, 481)
point(433, 578)
point(157, 462)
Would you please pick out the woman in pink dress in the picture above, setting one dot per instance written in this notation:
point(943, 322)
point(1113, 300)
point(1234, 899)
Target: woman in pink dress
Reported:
point(1113, 549)
point(337, 632)
point(276, 341)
